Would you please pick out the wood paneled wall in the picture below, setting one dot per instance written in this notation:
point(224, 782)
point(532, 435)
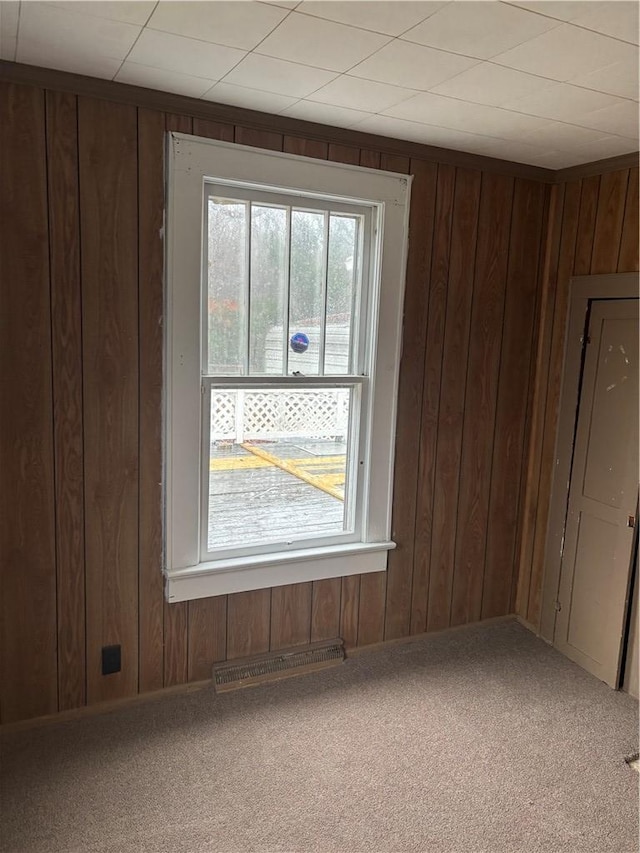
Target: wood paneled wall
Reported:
point(80, 431)
point(593, 229)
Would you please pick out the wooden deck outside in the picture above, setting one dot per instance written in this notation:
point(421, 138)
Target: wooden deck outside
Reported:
point(263, 492)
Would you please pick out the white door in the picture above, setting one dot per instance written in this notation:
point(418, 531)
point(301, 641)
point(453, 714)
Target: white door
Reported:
point(594, 577)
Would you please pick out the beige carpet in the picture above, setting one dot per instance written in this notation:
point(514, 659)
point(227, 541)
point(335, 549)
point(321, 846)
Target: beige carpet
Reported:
point(482, 741)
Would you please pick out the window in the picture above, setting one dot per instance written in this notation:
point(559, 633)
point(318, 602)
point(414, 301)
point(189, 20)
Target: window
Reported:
point(284, 293)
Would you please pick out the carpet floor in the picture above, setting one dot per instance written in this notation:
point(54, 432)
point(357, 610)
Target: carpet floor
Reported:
point(484, 740)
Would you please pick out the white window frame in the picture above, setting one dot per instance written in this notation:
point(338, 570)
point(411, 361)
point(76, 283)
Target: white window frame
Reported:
point(193, 162)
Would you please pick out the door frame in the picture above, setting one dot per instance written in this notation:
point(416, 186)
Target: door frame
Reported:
point(582, 290)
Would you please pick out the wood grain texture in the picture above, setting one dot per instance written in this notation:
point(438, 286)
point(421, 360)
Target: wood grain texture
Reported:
point(248, 623)
point(350, 610)
point(290, 615)
point(609, 218)
point(151, 127)
point(213, 129)
point(66, 330)
point(258, 138)
point(325, 609)
point(487, 317)
point(207, 635)
point(586, 225)
point(507, 456)
point(373, 593)
point(343, 154)
point(416, 306)
point(305, 147)
point(453, 391)
point(28, 665)
point(428, 438)
point(628, 258)
point(109, 250)
point(176, 615)
point(539, 397)
point(370, 159)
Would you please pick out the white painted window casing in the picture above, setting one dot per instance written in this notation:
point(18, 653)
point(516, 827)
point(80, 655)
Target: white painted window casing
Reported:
point(193, 164)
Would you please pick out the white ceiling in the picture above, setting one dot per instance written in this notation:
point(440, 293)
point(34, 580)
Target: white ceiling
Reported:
point(549, 83)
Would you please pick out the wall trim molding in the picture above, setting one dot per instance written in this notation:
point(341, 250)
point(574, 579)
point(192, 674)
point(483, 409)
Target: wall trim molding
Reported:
point(77, 84)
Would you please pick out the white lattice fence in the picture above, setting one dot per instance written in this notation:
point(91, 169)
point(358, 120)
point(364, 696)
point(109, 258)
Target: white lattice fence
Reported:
point(240, 415)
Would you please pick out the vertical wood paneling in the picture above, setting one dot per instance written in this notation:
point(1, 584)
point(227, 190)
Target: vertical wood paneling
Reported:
point(507, 457)
point(609, 217)
point(248, 623)
point(595, 231)
point(66, 327)
point(28, 666)
point(290, 615)
point(176, 615)
point(457, 369)
point(628, 258)
point(373, 593)
point(349, 610)
point(487, 315)
point(416, 303)
point(586, 225)
point(325, 609)
point(151, 126)
point(543, 349)
point(109, 250)
point(431, 395)
point(306, 147)
point(207, 635)
point(453, 389)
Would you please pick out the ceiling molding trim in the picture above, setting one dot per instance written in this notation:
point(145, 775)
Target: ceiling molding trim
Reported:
point(13, 72)
point(598, 167)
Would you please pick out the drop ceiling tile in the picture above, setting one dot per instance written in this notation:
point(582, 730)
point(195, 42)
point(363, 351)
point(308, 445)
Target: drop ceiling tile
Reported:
point(235, 24)
point(354, 93)
point(74, 33)
point(564, 10)
point(493, 85)
point(33, 52)
point(250, 99)
point(325, 114)
point(470, 118)
point(412, 65)
point(129, 11)
point(184, 55)
point(390, 18)
point(441, 137)
point(479, 29)
point(276, 75)
point(563, 137)
point(608, 146)
point(620, 119)
point(562, 102)
point(163, 80)
point(613, 18)
point(9, 11)
point(619, 78)
point(563, 53)
point(323, 44)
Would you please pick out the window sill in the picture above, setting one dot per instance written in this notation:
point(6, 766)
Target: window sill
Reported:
point(248, 573)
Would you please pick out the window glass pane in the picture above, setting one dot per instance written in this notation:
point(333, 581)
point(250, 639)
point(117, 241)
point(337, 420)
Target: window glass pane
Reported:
point(277, 465)
point(227, 276)
point(268, 287)
point(306, 309)
point(342, 269)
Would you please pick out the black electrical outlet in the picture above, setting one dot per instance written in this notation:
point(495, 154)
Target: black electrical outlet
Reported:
point(111, 659)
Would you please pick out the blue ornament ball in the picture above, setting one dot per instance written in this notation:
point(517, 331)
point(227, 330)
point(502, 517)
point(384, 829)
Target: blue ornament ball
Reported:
point(299, 342)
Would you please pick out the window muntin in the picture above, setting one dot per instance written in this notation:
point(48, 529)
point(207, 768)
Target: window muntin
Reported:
point(192, 163)
point(283, 288)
